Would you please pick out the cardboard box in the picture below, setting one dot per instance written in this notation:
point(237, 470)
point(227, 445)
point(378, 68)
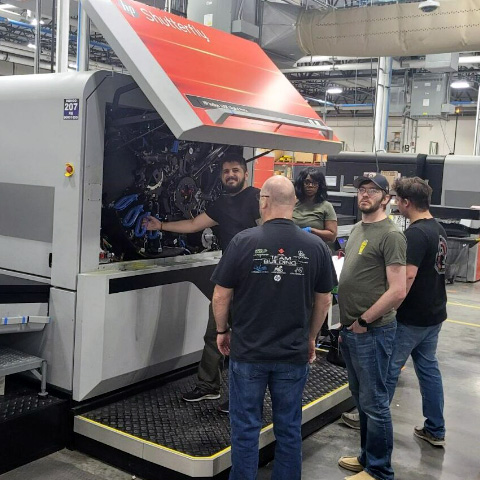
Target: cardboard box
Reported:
point(301, 157)
point(276, 154)
point(320, 158)
point(391, 176)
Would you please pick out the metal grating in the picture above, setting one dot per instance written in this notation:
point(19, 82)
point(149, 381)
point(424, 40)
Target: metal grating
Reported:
point(21, 400)
point(197, 429)
point(14, 358)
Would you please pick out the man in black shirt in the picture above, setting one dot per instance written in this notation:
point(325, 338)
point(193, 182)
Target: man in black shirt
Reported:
point(275, 273)
point(421, 314)
point(233, 212)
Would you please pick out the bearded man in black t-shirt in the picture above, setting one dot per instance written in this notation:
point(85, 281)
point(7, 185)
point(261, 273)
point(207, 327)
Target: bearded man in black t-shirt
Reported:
point(423, 311)
point(232, 212)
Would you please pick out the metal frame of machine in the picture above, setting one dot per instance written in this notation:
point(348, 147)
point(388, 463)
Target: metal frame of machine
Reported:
point(54, 133)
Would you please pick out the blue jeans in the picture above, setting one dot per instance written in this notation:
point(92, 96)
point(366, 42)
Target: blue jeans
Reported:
point(248, 383)
point(421, 343)
point(367, 356)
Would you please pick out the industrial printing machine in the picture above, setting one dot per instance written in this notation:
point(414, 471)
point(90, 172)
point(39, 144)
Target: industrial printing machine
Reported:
point(455, 181)
point(85, 156)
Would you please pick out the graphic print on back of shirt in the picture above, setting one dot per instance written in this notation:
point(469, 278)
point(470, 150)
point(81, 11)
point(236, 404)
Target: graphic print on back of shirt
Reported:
point(279, 263)
point(441, 257)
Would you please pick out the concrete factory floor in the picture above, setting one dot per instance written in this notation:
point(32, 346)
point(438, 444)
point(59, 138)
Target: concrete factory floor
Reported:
point(413, 459)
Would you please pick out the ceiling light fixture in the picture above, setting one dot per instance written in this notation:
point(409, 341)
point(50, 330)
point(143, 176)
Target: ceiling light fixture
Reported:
point(6, 8)
point(458, 84)
point(334, 90)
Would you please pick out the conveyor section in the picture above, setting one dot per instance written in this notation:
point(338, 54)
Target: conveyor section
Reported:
point(31, 426)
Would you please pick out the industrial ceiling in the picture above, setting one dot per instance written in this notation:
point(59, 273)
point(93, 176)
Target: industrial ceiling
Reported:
point(311, 75)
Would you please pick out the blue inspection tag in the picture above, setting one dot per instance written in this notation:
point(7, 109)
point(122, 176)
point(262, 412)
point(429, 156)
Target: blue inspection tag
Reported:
point(71, 108)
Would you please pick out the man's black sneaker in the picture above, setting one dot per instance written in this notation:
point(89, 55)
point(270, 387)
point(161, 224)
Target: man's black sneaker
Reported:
point(420, 432)
point(224, 407)
point(199, 394)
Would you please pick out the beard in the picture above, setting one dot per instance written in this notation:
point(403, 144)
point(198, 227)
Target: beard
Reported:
point(235, 188)
point(374, 207)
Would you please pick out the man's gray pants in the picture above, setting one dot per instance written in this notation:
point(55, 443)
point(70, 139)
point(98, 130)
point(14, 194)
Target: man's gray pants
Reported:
point(211, 364)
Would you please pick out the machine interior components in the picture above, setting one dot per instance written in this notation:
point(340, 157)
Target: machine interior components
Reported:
point(147, 171)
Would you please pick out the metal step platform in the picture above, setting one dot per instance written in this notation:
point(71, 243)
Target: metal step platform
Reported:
point(12, 361)
point(31, 426)
point(192, 440)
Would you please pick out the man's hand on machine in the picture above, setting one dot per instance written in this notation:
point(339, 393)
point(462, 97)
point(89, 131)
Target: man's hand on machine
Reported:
point(152, 223)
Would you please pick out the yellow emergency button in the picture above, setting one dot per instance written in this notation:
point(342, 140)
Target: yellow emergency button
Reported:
point(69, 169)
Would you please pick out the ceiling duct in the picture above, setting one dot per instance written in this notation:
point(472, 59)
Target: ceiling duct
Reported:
point(279, 34)
point(390, 30)
point(233, 16)
point(442, 62)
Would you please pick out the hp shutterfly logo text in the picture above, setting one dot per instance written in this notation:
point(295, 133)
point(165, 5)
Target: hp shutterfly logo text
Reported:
point(129, 9)
point(164, 20)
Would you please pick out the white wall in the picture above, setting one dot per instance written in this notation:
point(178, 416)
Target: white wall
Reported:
point(9, 68)
point(358, 133)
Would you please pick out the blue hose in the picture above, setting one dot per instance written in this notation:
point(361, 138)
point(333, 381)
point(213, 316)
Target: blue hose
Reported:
point(153, 234)
point(131, 217)
point(125, 202)
point(140, 229)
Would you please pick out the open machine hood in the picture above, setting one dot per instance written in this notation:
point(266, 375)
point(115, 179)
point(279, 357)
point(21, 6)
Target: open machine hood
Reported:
point(208, 85)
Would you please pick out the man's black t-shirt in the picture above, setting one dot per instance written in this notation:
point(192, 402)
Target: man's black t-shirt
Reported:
point(274, 270)
point(426, 303)
point(234, 213)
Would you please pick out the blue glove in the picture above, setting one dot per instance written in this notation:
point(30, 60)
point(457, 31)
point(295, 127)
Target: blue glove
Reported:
point(307, 229)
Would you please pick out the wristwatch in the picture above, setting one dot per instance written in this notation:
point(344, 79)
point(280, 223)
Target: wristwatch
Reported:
point(362, 322)
point(224, 332)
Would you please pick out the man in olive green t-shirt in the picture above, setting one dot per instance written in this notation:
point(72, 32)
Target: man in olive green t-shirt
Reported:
point(372, 284)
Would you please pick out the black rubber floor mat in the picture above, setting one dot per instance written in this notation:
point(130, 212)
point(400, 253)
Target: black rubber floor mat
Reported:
point(161, 416)
point(21, 399)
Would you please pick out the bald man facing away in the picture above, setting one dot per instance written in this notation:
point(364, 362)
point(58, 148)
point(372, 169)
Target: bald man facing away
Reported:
point(274, 273)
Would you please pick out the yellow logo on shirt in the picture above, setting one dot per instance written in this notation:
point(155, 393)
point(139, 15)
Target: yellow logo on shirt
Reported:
point(362, 247)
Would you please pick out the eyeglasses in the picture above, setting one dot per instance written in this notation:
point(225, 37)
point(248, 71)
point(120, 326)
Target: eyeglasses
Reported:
point(369, 191)
point(262, 196)
point(308, 183)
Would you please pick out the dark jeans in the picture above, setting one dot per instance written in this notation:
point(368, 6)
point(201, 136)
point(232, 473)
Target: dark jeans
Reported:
point(367, 357)
point(211, 364)
point(421, 343)
point(248, 383)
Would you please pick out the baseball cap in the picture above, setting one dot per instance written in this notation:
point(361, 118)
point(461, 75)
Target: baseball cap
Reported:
point(379, 180)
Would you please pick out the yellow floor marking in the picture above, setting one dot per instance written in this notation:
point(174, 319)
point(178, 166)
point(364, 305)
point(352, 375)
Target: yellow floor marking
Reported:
point(463, 323)
point(133, 437)
point(463, 305)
